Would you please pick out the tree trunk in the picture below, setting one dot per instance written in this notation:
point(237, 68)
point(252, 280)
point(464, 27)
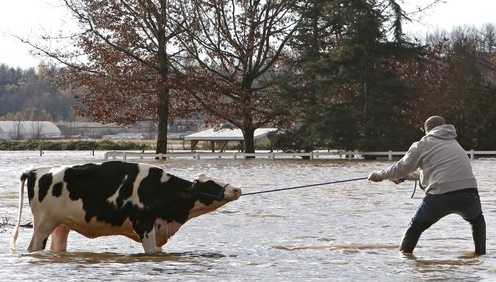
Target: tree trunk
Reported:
point(163, 70)
point(249, 140)
point(163, 121)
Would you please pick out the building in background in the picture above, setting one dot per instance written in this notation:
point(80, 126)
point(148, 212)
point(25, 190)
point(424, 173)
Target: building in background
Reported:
point(16, 130)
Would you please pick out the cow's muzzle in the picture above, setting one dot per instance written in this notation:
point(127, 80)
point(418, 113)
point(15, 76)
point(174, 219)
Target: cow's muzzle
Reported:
point(231, 193)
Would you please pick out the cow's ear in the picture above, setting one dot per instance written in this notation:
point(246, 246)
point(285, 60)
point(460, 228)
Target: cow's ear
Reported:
point(202, 177)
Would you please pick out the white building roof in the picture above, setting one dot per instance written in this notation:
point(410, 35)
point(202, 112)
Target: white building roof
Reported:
point(226, 134)
point(11, 129)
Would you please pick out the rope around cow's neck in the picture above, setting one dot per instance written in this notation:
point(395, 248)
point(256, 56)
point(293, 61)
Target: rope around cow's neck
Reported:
point(304, 186)
point(217, 197)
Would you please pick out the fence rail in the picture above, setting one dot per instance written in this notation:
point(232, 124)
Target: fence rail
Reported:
point(350, 155)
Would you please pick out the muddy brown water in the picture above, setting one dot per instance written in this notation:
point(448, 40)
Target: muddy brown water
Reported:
point(340, 232)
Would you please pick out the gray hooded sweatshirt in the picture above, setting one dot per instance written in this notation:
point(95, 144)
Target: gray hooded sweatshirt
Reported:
point(440, 163)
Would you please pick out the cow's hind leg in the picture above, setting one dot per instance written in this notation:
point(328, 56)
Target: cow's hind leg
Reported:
point(41, 231)
point(149, 242)
point(58, 238)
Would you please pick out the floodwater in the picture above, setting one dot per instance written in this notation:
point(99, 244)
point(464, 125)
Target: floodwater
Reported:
point(346, 231)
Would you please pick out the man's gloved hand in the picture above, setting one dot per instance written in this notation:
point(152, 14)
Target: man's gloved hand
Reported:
point(374, 176)
point(398, 181)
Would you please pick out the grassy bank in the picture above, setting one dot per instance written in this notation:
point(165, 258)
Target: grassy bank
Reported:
point(62, 145)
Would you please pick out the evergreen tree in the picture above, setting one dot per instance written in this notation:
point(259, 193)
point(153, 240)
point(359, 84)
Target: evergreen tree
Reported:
point(353, 97)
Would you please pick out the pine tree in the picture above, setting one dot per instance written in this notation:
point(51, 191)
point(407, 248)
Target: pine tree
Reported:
point(352, 95)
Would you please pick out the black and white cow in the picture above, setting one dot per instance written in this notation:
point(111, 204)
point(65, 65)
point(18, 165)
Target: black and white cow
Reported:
point(140, 201)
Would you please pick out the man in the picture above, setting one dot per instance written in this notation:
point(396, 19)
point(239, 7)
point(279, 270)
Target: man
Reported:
point(446, 176)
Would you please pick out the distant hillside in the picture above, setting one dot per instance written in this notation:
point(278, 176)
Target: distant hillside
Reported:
point(24, 95)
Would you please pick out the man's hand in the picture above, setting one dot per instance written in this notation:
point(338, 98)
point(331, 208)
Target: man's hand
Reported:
point(374, 176)
point(397, 181)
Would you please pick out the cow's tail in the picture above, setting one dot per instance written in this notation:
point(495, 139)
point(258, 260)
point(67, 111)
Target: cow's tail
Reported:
point(15, 233)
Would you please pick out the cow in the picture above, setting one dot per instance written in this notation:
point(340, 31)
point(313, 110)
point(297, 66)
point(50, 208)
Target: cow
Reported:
point(139, 201)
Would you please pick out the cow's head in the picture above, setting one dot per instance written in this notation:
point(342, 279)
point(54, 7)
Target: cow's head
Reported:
point(210, 189)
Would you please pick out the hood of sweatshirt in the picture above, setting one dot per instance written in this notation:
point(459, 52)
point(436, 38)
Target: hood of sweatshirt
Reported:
point(445, 132)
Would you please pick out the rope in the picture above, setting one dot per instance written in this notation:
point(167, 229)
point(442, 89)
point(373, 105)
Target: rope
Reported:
point(414, 189)
point(304, 186)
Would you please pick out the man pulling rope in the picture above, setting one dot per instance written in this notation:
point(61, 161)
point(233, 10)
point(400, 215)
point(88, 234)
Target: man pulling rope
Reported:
point(446, 176)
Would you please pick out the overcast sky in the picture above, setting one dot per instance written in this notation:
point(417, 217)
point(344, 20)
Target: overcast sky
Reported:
point(25, 18)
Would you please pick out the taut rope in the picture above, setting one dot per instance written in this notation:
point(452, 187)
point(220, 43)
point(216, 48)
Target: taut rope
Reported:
point(305, 186)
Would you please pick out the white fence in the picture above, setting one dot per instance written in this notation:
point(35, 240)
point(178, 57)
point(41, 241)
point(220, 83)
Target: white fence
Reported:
point(350, 155)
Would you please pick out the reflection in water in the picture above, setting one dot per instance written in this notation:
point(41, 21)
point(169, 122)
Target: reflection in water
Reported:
point(339, 247)
point(43, 257)
point(344, 232)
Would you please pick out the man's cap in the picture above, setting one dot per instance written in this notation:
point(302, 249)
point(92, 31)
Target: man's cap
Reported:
point(432, 122)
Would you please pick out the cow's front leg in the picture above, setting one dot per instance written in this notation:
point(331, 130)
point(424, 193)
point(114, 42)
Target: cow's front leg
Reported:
point(58, 238)
point(149, 242)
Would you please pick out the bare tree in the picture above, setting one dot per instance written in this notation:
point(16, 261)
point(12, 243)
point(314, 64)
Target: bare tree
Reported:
point(122, 58)
point(36, 129)
point(238, 47)
point(17, 128)
point(17, 125)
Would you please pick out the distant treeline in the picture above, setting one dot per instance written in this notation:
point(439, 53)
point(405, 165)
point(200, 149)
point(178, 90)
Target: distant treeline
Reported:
point(29, 95)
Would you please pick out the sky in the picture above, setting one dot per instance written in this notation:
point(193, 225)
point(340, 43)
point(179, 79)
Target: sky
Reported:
point(27, 18)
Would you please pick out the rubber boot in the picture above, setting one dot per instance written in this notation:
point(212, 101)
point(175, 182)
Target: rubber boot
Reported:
point(479, 234)
point(412, 235)
point(410, 240)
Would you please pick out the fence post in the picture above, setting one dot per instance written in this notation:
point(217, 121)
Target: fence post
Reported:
point(390, 155)
point(472, 155)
